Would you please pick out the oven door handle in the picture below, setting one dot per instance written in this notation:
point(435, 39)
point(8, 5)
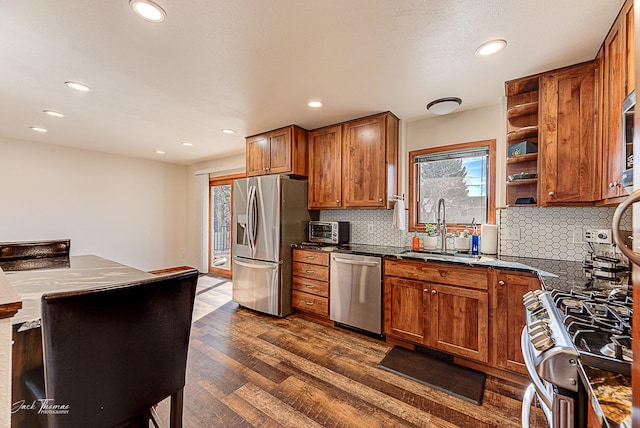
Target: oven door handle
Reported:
point(527, 402)
point(529, 364)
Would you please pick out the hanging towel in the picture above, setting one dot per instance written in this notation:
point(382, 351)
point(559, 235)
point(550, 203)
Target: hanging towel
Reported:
point(399, 216)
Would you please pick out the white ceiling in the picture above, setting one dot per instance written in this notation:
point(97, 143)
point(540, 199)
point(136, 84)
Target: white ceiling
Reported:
point(252, 65)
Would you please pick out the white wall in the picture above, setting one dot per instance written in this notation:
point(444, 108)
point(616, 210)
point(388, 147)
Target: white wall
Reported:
point(129, 210)
point(198, 204)
point(484, 123)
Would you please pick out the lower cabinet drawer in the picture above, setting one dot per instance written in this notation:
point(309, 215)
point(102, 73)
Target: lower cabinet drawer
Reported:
point(306, 285)
point(319, 273)
point(310, 303)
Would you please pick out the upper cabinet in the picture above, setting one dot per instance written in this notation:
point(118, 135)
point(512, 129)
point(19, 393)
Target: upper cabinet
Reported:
point(567, 146)
point(564, 127)
point(282, 151)
point(354, 164)
point(618, 74)
point(325, 167)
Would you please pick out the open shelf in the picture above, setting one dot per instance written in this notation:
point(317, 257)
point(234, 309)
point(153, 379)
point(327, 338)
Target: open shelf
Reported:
point(522, 158)
point(522, 110)
point(522, 182)
point(523, 133)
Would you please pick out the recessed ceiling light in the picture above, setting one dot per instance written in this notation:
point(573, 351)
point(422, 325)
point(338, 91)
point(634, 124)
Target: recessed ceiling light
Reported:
point(78, 86)
point(186, 143)
point(315, 104)
point(159, 152)
point(148, 10)
point(53, 113)
point(444, 105)
point(38, 129)
point(491, 47)
point(228, 131)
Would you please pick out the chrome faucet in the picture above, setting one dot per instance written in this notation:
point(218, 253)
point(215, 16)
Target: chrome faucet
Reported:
point(442, 224)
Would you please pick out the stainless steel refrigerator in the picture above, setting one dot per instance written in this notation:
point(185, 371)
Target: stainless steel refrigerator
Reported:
point(270, 213)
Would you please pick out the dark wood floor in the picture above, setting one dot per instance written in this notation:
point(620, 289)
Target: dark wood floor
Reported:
point(247, 369)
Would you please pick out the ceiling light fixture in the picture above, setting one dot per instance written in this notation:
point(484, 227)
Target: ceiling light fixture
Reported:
point(53, 113)
point(77, 86)
point(315, 104)
point(491, 47)
point(186, 143)
point(159, 152)
point(444, 105)
point(228, 131)
point(148, 10)
point(38, 129)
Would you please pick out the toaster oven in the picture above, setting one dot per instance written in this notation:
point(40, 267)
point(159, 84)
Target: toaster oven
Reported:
point(329, 232)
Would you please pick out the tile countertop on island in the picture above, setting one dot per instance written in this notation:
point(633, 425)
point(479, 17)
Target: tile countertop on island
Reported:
point(612, 392)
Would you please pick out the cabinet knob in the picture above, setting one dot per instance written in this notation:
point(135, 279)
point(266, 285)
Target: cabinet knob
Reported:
point(501, 282)
point(433, 291)
point(264, 169)
point(380, 200)
point(610, 185)
point(552, 193)
point(337, 201)
point(426, 290)
point(615, 184)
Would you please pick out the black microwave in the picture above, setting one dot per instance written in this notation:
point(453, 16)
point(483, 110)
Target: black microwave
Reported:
point(329, 232)
point(628, 108)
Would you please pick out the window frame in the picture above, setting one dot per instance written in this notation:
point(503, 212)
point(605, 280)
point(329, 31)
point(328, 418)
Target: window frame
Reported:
point(414, 226)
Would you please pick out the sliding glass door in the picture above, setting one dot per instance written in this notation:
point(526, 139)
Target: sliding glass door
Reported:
point(220, 216)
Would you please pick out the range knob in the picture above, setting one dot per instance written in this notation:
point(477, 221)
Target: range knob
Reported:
point(539, 329)
point(542, 342)
point(532, 305)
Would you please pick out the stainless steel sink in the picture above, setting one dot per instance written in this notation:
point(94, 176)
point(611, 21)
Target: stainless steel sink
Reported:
point(448, 256)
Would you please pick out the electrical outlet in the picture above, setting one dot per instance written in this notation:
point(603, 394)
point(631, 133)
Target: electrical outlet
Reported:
point(512, 233)
point(576, 237)
point(369, 228)
point(598, 236)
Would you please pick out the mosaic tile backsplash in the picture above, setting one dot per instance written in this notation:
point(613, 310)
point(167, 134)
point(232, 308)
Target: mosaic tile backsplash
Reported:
point(546, 233)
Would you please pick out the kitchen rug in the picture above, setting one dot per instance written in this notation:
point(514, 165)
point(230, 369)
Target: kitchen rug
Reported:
point(461, 382)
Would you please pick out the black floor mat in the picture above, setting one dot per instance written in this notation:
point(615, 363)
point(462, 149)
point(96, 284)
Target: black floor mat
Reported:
point(458, 381)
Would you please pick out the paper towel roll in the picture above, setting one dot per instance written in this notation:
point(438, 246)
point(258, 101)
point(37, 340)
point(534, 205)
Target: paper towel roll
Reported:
point(489, 239)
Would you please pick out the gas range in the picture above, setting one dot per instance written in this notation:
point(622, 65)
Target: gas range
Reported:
point(565, 333)
point(599, 325)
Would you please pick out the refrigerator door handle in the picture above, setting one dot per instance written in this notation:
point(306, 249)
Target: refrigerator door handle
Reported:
point(251, 219)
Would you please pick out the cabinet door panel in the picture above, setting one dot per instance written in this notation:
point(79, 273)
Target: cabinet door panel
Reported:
point(280, 151)
point(568, 145)
point(325, 168)
point(614, 93)
point(509, 318)
point(405, 304)
point(364, 168)
point(460, 321)
point(257, 155)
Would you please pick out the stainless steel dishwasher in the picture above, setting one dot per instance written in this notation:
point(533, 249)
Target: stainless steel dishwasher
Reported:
point(356, 291)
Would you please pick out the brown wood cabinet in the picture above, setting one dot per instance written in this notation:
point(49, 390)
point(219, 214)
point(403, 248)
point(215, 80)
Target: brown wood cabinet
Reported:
point(567, 147)
point(282, 151)
point(618, 81)
point(438, 305)
point(325, 167)
point(354, 164)
point(310, 282)
point(508, 317)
